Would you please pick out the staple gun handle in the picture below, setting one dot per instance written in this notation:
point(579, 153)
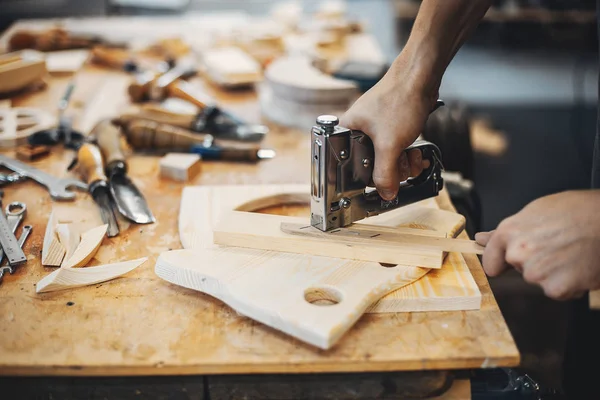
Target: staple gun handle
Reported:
point(430, 152)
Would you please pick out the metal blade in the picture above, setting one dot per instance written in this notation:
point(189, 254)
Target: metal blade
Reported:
point(129, 200)
point(102, 198)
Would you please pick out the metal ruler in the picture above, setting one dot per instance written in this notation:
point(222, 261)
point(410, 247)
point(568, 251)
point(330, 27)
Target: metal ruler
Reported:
point(9, 243)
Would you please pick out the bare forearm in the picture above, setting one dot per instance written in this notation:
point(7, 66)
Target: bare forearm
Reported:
point(440, 29)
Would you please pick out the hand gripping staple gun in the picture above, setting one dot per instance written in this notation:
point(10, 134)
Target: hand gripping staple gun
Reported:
point(341, 171)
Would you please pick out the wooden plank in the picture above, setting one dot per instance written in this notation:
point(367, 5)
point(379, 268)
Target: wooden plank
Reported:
point(450, 288)
point(261, 231)
point(370, 234)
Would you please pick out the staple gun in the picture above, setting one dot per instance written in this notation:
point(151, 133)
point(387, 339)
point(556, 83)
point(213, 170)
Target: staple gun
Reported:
point(341, 171)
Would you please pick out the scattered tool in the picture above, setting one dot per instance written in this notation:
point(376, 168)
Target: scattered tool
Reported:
point(11, 178)
point(114, 58)
point(15, 212)
point(57, 187)
point(129, 200)
point(64, 131)
point(10, 245)
point(149, 135)
point(232, 154)
point(90, 162)
point(22, 238)
point(124, 60)
point(211, 119)
point(154, 86)
point(17, 124)
point(342, 169)
point(56, 39)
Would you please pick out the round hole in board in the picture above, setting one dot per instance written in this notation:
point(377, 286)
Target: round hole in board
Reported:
point(323, 295)
point(388, 265)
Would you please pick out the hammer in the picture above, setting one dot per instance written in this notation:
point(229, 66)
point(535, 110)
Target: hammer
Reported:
point(150, 86)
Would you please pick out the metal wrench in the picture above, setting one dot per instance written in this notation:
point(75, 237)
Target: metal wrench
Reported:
point(15, 212)
point(58, 187)
point(24, 235)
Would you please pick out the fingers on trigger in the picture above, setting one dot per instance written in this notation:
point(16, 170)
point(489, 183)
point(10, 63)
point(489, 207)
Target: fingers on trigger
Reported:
point(415, 159)
point(404, 167)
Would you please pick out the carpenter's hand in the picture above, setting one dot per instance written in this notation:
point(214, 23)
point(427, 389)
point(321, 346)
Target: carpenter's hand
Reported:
point(554, 242)
point(392, 113)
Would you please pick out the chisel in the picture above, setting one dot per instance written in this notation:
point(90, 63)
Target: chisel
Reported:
point(127, 197)
point(90, 163)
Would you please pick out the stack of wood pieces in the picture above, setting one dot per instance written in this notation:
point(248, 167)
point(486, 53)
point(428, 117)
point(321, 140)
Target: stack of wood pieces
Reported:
point(314, 298)
point(69, 246)
point(22, 69)
point(294, 93)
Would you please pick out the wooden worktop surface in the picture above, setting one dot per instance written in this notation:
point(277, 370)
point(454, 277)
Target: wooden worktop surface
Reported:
point(142, 325)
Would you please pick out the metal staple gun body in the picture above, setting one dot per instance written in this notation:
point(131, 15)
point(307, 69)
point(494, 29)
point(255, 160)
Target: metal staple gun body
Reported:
point(341, 172)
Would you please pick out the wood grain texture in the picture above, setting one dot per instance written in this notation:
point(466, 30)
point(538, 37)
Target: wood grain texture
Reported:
point(261, 231)
point(88, 246)
point(371, 234)
point(139, 325)
point(69, 237)
point(202, 208)
point(53, 251)
point(282, 290)
point(69, 278)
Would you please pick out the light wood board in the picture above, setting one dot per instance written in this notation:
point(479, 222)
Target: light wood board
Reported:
point(279, 289)
point(451, 287)
point(256, 231)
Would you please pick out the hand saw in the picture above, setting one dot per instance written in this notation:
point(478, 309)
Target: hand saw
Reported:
point(341, 171)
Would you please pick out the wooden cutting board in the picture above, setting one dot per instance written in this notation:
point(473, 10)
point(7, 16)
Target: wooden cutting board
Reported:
point(314, 299)
point(450, 288)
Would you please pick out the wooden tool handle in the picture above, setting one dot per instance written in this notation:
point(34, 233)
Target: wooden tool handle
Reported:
point(109, 141)
point(162, 115)
point(90, 163)
point(234, 154)
point(116, 58)
point(185, 91)
point(147, 134)
point(138, 89)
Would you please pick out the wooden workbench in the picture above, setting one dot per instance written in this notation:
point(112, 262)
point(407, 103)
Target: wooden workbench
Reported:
point(142, 325)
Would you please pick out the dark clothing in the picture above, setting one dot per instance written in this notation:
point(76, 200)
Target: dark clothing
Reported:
point(596, 159)
point(582, 351)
